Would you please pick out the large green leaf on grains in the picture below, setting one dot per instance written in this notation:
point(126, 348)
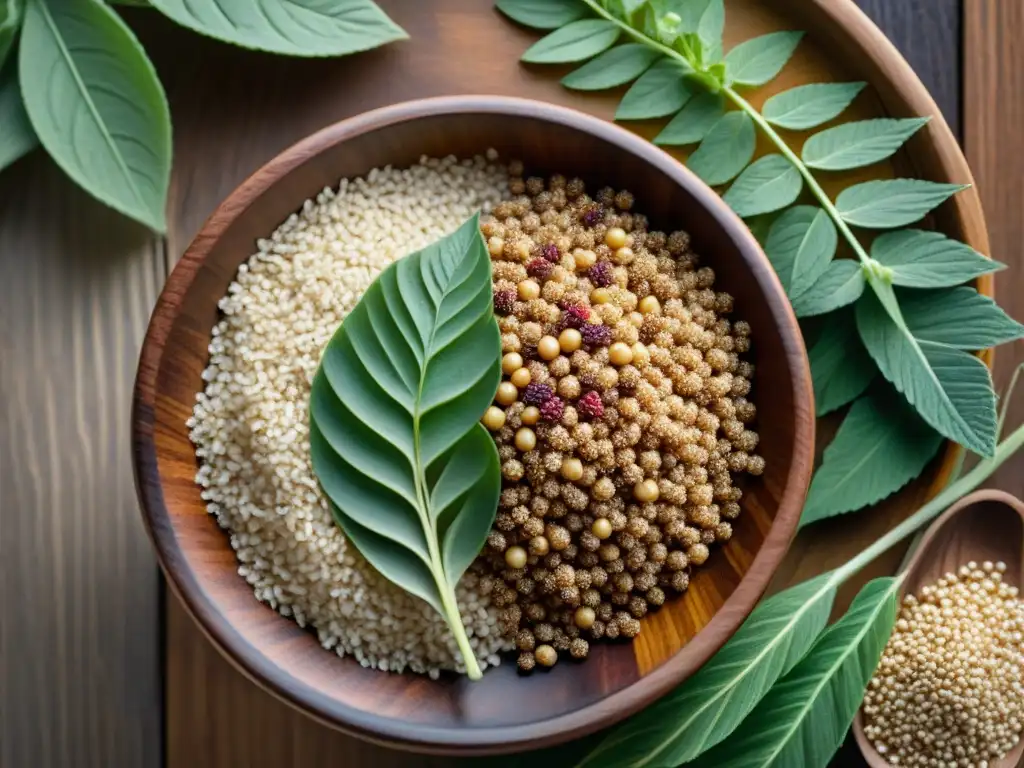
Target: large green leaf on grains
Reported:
point(960, 317)
point(805, 716)
point(726, 150)
point(950, 388)
point(543, 14)
point(841, 368)
point(617, 66)
point(756, 61)
point(854, 145)
point(800, 245)
point(808, 106)
point(292, 27)
point(96, 104)
point(395, 437)
point(709, 706)
point(768, 184)
point(661, 90)
point(881, 446)
point(694, 121)
point(575, 41)
point(16, 135)
point(840, 284)
point(922, 259)
point(10, 21)
point(892, 203)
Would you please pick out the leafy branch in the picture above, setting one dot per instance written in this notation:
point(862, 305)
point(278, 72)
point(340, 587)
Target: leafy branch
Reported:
point(903, 327)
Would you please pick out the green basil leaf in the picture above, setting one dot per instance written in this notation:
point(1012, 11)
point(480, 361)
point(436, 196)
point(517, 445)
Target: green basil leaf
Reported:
point(661, 90)
point(694, 121)
point(893, 203)
point(395, 437)
point(10, 21)
point(768, 184)
point(854, 145)
point(709, 706)
point(803, 719)
point(291, 27)
point(617, 66)
point(841, 368)
point(840, 284)
point(576, 41)
point(801, 244)
point(920, 259)
point(960, 317)
point(543, 14)
point(16, 135)
point(111, 128)
point(808, 106)
point(757, 61)
point(726, 150)
point(881, 446)
point(950, 388)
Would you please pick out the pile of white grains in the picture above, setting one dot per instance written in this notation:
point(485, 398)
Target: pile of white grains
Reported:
point(250, 425)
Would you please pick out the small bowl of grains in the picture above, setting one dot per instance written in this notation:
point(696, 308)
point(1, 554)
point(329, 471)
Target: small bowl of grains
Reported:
point(653, 420)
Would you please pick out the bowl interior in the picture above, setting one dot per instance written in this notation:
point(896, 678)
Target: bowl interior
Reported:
point(504, 711)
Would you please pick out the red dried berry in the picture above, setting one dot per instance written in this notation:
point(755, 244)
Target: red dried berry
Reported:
point(541, 268)
point(596, 335)
point(574, 315)
point(551, 252)
point(504, 301)
point(553, 409)
point(592, 216)
point(590, 405)
point(601, 274)
point(537, 394)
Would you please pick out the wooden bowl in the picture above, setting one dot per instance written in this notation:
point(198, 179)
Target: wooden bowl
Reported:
point(985, 525)
point(504, 712)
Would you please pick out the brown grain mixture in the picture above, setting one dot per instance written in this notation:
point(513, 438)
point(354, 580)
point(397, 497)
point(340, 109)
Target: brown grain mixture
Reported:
point(621, 420)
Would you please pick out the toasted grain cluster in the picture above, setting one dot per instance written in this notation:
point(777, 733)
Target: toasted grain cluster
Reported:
point(621, 420)
point(250, 424)
point(949, 690)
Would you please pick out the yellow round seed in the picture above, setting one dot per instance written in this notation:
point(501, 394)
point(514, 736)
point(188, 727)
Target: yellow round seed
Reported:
point(523, 249)
point(570, 340)
point(624, 255)
point(636, 319)
point(584, 617)
point(507, 393)
point(495, 246)
point(494, 418)
point(546, 655)
point(602, 528)
point(615, 238)
point(619, 353)
point(648, 305)
point(600, 296)
point(529, 290)
point(585, 259)
point(548, 348)
point(641, 356)
point(511, 362)
point(539, 545)
point(521, 377)
point(526, 439)
point(515, 557)
point(530, 415)
point(572, 469)
point(646, 490)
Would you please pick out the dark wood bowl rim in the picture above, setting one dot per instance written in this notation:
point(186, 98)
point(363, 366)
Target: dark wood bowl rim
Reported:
point(251, 661)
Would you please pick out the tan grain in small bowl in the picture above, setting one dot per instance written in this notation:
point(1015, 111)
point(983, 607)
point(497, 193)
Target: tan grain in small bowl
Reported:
point(504, 712)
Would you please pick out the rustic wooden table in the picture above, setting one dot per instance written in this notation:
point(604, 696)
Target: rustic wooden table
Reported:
point(98, 667)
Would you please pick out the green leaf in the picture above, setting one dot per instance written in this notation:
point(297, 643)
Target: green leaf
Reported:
point(110, 130)
point(576, 41)
point(710, 28)
point(840, 366)
point(10, 21)
point(854, 145)
point(694, 121)
point(880, 447)
point(768, 184)
point(726, 150)
point(395, 437)
point(757, 61)
point(893, 203)
point(16, 135)
point(808, 106)
point(920, 259)
point(660, 91)
point(840, 284)
point(960, 317)
point(543, 14)
point(805, 716)
point(291, 27)
point(709, 706)
point(950, 388)
point(800, 246)
point(617, 66)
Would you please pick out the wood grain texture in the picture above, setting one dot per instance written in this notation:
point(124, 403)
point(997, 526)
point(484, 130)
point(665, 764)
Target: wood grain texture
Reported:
point(80, 634)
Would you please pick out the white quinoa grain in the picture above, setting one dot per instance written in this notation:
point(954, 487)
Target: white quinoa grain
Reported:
point(250, 424)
